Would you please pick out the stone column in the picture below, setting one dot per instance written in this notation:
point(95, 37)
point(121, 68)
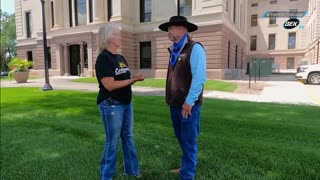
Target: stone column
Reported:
point(90, 58)
point(116, 11)
point(58, 14)
point(60, 58)
point(66, 60)
point(98, 11)
point(47, 14)
point(73, 14)
point(81, 60)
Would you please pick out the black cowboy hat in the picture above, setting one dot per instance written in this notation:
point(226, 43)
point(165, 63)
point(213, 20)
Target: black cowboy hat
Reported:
point(178, 20)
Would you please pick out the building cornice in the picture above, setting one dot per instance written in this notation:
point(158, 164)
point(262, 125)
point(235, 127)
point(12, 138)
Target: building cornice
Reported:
point(26, 42)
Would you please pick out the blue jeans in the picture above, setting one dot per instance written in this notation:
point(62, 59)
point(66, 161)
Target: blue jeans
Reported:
point(117, 119)
point(187, 131)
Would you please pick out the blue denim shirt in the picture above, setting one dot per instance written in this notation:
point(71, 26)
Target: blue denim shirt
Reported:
point(198, 70)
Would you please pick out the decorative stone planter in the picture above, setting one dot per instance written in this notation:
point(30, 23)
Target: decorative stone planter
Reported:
point(21, 77)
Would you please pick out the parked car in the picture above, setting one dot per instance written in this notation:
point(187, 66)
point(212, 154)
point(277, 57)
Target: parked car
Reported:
point(4, 73)
point(309, 74)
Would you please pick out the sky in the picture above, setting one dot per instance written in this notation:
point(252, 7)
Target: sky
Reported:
point(7, 6)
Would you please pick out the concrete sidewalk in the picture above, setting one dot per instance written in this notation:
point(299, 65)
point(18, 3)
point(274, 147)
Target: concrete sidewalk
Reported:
point(288, 92)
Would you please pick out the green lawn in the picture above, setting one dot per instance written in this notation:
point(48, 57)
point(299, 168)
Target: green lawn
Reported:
point(59, 135)
point(86, 80)
point(161, 83)
point(6, 78)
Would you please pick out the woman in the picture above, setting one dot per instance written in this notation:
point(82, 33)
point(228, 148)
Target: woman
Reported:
point(114, 102)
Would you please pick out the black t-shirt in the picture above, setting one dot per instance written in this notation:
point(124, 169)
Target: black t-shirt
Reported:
point(113, 65)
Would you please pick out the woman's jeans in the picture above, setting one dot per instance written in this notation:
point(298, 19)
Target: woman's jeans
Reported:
point(187, 131)
point(117, 119)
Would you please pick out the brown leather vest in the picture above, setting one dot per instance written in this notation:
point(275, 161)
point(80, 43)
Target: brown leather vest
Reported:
point(179, 78)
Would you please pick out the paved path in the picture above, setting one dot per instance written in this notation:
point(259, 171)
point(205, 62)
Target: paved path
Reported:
point(289, 92)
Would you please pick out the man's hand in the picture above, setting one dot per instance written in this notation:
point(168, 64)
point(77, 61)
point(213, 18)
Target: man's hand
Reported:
point(186, 110)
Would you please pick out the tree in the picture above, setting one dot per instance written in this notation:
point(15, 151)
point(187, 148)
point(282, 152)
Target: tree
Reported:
point(7, 38)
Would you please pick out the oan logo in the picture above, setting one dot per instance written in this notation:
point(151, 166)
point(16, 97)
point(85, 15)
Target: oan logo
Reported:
point(122, 65)
point(291, 23)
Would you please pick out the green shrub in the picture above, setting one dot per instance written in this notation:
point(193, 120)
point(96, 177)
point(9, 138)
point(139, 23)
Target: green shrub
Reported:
point(18, 65)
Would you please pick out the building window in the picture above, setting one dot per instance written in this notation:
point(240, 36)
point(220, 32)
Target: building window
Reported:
point(145, 55)
point(80, 12)
point(254, 20)
point(30, 57)
point(272, 41)
point(52, 13)
point(49, 57)
point(273, 1)
point(290, 63)
point(185, 7)
point(254, 5)
point(292, 40)
point(253, 43)
point(234, 10)
point(110, 9)
point(90, 11)
point(272, 19)
point(145, 10)
point(70, 13)
point(236, 59)
point(293, 13)
point(28, 24)
point(228, 54)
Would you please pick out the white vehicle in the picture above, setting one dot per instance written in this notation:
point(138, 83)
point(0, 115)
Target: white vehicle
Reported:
point(309, 74)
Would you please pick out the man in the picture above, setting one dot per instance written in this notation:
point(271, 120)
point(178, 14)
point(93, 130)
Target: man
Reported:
point(185, 79)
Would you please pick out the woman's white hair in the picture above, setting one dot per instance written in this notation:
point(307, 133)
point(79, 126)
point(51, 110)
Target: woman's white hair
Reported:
point(104, 34)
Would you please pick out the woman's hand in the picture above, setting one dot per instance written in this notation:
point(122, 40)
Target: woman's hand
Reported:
point(110, 84)
point(138, 77)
